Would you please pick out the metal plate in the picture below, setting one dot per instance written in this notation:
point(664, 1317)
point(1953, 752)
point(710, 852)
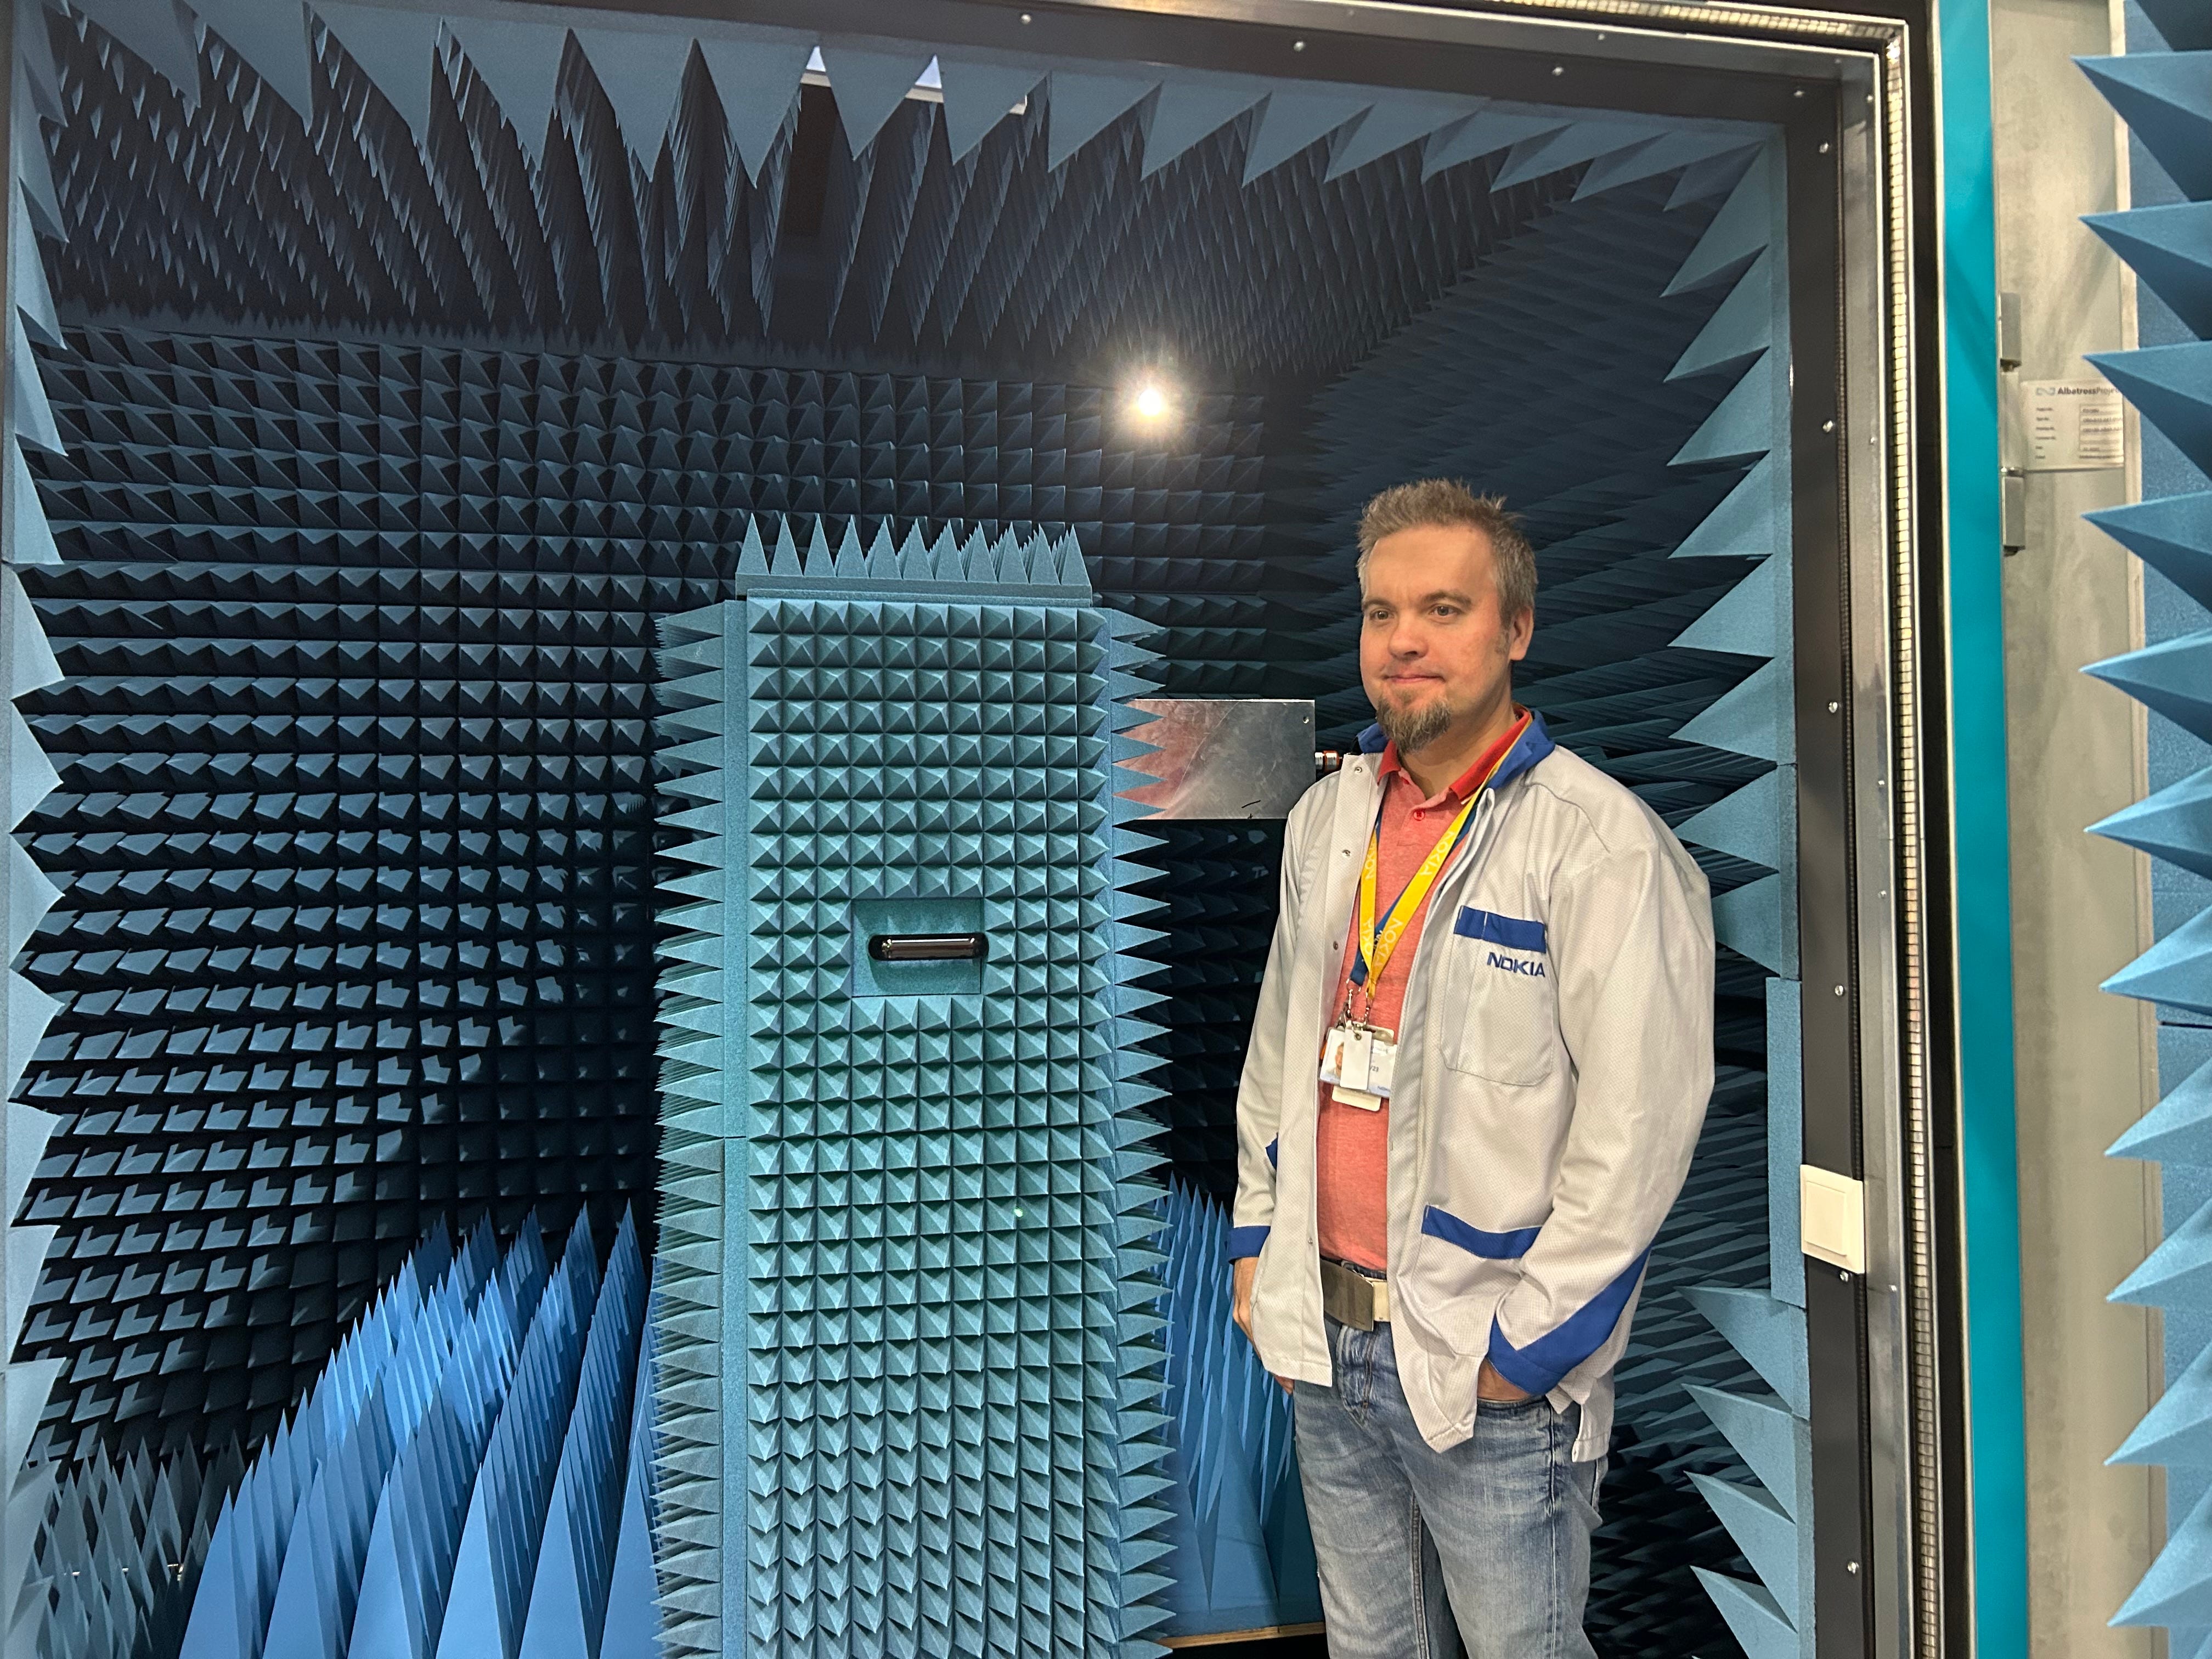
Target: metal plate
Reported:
point(1223, 757)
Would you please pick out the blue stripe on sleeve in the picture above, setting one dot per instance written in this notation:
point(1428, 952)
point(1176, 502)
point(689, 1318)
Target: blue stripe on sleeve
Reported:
point(1510, 932)
point(1538, 1368)
point(1272, 1160)
point(1499, 1247)
point(1246, 1241)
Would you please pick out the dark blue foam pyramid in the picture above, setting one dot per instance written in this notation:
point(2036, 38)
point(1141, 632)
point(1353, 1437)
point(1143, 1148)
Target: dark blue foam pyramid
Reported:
point(954, 231)
point(2171, 385)
point(2166, 98)
point(2172, 534)
point(2170, 248)
point(350, 728)
point(2184, 25)
point(120, 1547)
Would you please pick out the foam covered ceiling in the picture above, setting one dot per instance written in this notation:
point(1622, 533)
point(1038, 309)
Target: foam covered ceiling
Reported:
point(663, 186)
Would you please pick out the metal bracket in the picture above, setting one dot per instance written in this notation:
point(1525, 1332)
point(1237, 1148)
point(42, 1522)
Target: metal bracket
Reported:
point(2013, 533)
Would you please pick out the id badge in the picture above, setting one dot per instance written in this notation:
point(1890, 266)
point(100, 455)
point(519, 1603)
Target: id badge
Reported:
point(1332, 1056)
point(1352, 1066)
point(1382, 1066)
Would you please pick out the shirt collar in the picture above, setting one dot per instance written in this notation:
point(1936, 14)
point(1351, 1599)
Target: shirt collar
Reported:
point(1468, 782)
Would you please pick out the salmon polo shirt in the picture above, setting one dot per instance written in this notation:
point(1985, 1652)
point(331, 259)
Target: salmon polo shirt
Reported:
point(1352, 1144)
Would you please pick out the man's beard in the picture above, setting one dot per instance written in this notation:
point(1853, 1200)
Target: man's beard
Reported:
point(1412, 728)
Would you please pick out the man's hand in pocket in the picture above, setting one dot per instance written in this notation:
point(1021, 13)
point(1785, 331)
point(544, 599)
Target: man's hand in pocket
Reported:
point(1247, 1268)
point(1489, 1385)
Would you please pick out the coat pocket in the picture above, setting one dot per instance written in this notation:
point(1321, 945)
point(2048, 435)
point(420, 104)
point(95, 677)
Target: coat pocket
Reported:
point(1455, 1292)
point(1499, 1015)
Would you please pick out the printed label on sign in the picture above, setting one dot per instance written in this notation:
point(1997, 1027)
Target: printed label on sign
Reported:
point(2071, 426)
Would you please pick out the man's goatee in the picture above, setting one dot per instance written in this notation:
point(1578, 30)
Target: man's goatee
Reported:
point(1410, 728)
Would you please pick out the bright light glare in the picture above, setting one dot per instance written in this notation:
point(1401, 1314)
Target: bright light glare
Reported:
point(1150, 403)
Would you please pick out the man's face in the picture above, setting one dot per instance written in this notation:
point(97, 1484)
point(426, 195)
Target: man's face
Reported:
point(1434, 649)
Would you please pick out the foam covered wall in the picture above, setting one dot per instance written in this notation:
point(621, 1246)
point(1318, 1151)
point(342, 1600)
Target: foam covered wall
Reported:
point(2160, 89)
point(356, 800)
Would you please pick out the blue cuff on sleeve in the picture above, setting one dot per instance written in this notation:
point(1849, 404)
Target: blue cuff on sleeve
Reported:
point(1537, 1368)
point(1246, 1241)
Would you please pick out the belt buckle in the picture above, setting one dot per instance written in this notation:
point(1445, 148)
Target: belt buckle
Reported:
point(1347, 1296)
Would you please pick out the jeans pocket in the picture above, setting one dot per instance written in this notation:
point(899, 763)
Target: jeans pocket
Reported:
point(1524, 1407)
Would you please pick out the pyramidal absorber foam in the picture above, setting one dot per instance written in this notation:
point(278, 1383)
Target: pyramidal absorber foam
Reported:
point(911, 1395)
point(469, 1477)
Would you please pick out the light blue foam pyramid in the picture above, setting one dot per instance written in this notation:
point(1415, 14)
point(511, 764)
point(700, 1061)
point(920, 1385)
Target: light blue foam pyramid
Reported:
point(2178, 1129)
point(2177, 1274)
point(2174, 677)
point(2166, 98)
point(2174, 825)
point(2178, 1589)
point(2177, 970)
point(1243, 1554)
point(1743, 247)
point(27, 665)
point(907, 1275)
point(455, 1484)
point(2172, 534)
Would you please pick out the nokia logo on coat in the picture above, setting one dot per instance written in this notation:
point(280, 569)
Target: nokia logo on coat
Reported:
point(1516, 966)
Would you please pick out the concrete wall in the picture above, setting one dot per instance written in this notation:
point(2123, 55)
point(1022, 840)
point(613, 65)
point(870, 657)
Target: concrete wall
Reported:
point(2080, 905)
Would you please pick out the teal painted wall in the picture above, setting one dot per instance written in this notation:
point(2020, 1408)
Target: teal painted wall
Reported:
point(1972, 532)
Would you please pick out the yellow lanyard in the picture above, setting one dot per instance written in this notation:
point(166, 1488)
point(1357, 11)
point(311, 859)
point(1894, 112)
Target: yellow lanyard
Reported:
point(1374, 949)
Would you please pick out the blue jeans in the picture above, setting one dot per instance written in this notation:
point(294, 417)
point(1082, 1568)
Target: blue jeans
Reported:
point(1500, 1524)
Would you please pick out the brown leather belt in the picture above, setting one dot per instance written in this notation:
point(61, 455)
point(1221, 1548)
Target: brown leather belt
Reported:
point(1350, 1298)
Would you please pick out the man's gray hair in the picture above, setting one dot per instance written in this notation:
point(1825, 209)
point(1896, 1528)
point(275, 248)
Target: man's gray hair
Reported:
point(1445, 502)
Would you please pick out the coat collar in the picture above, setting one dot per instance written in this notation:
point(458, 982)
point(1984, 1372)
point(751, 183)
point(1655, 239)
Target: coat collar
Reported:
point(1533, 745)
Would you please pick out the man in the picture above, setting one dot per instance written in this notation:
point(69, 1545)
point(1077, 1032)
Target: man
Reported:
point(1482, 1053)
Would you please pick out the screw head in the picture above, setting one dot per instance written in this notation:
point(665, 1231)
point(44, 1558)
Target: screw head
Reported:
point(1837, 989)
point(1828, 426)
point(1297, 46)
point(1824, 146)
point(1834, 707)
